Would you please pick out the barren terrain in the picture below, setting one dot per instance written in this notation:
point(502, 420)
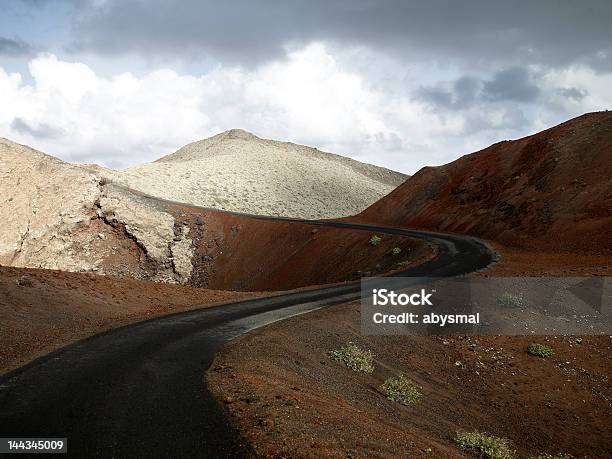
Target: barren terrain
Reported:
point(236, 252)
point(237, 171)
point(85, 219)
point(549, 192)
point(41, 310)
point(544, 203)
point(59, 216)
point(289, 399)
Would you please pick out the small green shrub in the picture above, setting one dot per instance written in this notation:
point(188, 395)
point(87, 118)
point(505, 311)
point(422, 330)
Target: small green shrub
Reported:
point(24, 281)
point(539, 350)
point(396, 251)
point(375, 240)
point(489, 446)
point(354, 357)
point(511, 300)
point(403, 264)
point(401, 390)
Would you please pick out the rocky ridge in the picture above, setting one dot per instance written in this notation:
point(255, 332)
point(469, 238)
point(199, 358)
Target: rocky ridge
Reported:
point(59, 216)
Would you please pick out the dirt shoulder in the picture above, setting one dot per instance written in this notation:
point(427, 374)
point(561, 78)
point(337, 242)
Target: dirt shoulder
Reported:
point(43, 310)
point(289, 399)
point(520, 262)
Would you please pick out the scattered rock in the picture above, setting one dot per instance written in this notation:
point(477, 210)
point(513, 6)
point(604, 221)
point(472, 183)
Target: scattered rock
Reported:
point(267, 422)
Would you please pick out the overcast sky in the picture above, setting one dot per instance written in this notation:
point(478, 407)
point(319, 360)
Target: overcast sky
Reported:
point(392, 82)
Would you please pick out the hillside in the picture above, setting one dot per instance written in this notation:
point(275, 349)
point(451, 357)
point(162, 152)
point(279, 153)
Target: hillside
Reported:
point(238, 171)
point(548, 191)
point(59, 216)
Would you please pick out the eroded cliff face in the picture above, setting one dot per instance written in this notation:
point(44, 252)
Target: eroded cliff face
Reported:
point(58, 216)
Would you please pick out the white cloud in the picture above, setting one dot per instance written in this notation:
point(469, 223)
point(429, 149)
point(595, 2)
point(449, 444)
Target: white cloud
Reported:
point(578, 88)
point(121, 120)
point(313, 96)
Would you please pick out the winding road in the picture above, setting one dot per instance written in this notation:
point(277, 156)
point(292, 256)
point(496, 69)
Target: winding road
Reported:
point(139, 390)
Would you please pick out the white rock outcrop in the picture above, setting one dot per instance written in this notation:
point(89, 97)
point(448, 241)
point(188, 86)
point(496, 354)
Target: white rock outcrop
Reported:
point(59, 216)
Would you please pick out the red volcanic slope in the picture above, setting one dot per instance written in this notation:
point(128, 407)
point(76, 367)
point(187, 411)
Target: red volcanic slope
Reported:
point(549, 191)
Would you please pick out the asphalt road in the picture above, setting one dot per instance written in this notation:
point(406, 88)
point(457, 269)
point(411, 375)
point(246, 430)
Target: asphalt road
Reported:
point(138, 391)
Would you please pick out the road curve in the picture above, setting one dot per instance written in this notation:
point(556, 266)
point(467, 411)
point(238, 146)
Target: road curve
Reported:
point(138, 391)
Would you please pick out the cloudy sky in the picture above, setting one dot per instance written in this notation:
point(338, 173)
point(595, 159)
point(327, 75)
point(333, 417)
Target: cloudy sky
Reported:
point(397, 83)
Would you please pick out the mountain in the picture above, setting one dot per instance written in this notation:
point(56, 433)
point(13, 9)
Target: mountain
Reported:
point(237, 171)
point(551, 190)
point(57, 215)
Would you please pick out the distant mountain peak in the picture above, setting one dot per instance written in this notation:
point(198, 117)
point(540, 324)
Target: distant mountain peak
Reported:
point(238, 134)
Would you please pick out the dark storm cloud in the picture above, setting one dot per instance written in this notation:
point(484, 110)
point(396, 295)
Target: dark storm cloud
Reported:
point(14, 47)
point(463, 93)
point(553, 32)
point(511, 84)
point(572, 93)
point(436, 96)
point(512, 118)
point(39, 131)
point(36, 3)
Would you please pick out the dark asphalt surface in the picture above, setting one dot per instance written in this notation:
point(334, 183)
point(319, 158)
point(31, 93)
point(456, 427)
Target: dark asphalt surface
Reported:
point(138, 391)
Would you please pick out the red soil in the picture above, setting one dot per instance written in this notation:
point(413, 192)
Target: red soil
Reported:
point(550, 192)
point(545, 202)
point(236, 252)
point(50, 309)
point(289, 399)
point(42, 310)
point(521, 262)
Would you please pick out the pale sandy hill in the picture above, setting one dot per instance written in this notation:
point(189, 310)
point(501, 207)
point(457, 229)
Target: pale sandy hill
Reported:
point(237, 171)
point(59, 216)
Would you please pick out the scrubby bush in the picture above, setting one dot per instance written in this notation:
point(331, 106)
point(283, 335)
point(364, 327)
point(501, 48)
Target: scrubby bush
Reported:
point(396, 250)
point(24, 281)
point(511, 300)
point(375, 240)
point(354, 357)
point(539, 350)
point(401, 390)
point(403, 264)
point(488, 446)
